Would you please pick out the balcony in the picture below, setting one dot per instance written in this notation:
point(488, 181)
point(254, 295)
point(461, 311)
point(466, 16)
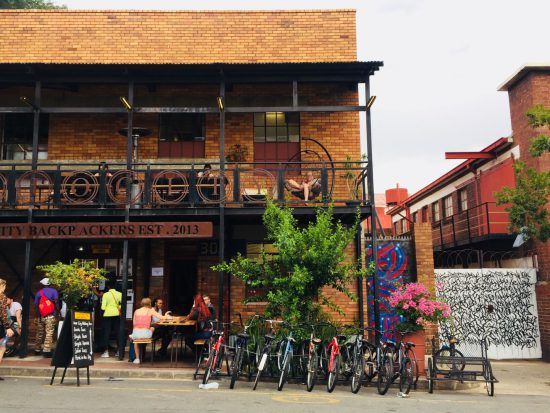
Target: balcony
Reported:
point(161, 188)
point(481, 223)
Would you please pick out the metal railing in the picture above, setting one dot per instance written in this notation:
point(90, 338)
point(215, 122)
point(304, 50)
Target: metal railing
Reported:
point(179, 185)
point(470, 225)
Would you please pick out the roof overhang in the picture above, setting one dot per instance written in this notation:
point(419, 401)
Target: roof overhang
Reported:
point(521, 73)
point(237, 72)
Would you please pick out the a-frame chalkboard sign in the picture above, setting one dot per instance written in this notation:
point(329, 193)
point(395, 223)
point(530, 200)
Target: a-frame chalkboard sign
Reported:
point(74, 347)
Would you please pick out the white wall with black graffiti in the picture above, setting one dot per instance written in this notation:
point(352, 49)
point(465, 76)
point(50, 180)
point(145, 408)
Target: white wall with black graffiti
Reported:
point(497, 304)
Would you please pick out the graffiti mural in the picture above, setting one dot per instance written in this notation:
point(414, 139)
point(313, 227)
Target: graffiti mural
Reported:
point(394, 268)
point(496, 304)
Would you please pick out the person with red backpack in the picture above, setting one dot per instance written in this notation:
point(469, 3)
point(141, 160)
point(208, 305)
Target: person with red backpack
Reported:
point(46, 301)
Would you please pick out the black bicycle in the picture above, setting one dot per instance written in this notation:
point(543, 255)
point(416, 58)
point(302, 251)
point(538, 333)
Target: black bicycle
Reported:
point(285, 354)
point(241, 351)
point(264, 355)
point(358, 362)
point(311, 357)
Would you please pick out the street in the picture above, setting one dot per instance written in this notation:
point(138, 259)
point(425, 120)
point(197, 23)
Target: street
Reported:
point(524, 387)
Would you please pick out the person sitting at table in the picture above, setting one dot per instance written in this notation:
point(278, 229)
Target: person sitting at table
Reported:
point(161, 332)
point(210, 306)
point(103, 167)
point(202, 315)
point(143, 317)
point(309, 188)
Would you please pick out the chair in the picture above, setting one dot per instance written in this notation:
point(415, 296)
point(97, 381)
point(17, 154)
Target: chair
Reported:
point(142, 342)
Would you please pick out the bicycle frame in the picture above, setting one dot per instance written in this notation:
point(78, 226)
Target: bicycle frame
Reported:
point(334, 351)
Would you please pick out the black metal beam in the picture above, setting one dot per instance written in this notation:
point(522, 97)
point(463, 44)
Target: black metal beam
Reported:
point(221, 274)
point(296, 109)
point(359, 256)
point(374, 236)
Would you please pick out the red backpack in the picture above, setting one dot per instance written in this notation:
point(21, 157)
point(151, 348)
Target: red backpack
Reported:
point(45, 306)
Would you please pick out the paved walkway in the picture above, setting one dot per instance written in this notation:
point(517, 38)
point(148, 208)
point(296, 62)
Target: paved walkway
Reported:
point(524, 387)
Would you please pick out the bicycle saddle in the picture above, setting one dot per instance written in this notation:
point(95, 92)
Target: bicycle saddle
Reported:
point(341, 337)
point(316, 341)
point(410, 343)
point(243, 335)
point(269, 337)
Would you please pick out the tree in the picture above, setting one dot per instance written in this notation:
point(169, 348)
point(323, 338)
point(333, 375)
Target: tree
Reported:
point(307, 260)
point(528, 201)
point(29, 4)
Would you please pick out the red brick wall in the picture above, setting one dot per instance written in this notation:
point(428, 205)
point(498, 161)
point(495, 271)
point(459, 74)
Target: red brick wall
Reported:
point(534, 89)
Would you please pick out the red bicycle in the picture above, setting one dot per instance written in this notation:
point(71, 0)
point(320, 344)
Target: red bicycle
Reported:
point(216, 353)
point(334, 360)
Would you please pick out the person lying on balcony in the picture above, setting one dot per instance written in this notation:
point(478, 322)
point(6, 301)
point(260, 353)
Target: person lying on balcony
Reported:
point(309, 189)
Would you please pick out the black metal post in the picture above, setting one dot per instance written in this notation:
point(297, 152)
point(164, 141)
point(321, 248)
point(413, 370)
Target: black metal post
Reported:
point(125, 245)
point(27, 278)
point(359, 253)
point(221, 274)
point(374, 235)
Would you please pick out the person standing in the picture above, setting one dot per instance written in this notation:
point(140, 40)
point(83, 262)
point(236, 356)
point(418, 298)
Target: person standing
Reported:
point(15, 313)
point(111, 307)
point(6, 330)
point(47, 302)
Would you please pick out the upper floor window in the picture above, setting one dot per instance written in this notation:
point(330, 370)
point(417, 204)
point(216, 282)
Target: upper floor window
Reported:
point(415, 217)
point(276, 136)
point(17, 132)
point(181, 135)
point(448, 205)
point(463, 199)
point(425, 214)
point(436, 216)
point(404, 225)
point(396, 228)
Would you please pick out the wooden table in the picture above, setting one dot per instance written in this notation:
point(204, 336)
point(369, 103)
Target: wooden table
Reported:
point(173, 324)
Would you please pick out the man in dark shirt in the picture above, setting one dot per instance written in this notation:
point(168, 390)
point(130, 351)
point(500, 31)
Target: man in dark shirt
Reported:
point(210, 307)
point(45, 324)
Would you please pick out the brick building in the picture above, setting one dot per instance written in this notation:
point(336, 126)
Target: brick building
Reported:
point(263, 97)
point(528, 87)
point(460, 205)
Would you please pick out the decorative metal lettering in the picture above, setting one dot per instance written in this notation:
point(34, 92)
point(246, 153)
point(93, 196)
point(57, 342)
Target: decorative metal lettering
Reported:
point(117, 187)
point(80, 188)
point(38, 183)
point(170, 187)
point(209, 187)
point(259, 184)
point(3, 189)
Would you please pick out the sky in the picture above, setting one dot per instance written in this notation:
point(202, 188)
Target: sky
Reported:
point(443, 62)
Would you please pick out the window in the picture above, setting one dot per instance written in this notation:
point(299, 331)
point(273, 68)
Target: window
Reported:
point(181, 135)
point(415, 217)
point(463, 199)
point(396, 228)
point(435, 212)
point(448, 205)
point(404, 225)
point(276, 136)
point(254, 252)
point(425, 214)
point(17, 136)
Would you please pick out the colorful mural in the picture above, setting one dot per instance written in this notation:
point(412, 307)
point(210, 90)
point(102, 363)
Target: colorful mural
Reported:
point(394, 268)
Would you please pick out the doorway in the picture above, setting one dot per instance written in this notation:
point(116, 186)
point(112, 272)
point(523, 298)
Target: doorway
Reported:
point(183, 285)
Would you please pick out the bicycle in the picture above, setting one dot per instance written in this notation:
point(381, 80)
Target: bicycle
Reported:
point(449, 358)
point(404, 364)
point(333, 351)
point(240, 350)
point(284, 357)
point(265, 353)
point(215, 352)
point(311, 358)
point(358, 363)
point(385, 357)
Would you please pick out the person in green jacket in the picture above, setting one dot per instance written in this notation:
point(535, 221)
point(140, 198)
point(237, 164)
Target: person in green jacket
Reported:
point(111, 307)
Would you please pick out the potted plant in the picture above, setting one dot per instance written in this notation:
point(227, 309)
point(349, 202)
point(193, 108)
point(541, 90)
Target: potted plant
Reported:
point(416, 308)
point(351, 174)
point(74, 281)
point(237, 153)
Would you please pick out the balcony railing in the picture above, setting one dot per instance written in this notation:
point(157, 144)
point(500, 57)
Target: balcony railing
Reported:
point(471, 225)
point(179, 185)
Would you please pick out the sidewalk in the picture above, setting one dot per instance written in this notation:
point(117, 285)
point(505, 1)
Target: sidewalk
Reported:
point(39, 366)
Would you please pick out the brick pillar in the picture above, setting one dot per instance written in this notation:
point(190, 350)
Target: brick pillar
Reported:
point(424, 253)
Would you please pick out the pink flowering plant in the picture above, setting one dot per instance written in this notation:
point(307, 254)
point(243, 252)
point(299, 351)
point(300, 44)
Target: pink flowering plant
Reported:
point(414, 304)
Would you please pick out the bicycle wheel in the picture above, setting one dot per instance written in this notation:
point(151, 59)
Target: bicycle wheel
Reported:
point(333, 374)
point(449, 359)
point(261, 367)
point(357, 371)
point(236, 366)
point(281, 347)
point(385, 372)
point(431, 376)
point(369, 356)
point(416, 372)
point(209, 367)
point(406, 377)
point(312, 366)
point(285, 370)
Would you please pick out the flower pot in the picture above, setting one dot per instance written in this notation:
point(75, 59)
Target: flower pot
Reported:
point(419, 340)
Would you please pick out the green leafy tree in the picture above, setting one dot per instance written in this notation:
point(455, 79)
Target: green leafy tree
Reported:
point(307, 260)
point(29, 4)
point(528, 201)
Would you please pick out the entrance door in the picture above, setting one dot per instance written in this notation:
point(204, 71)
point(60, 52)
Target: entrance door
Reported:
point(183, 285)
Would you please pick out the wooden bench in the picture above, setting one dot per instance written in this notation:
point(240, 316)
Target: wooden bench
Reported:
point(142, 345)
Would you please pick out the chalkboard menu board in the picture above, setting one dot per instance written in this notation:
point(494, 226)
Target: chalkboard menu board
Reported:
point(74, 346)
point(82, 327)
